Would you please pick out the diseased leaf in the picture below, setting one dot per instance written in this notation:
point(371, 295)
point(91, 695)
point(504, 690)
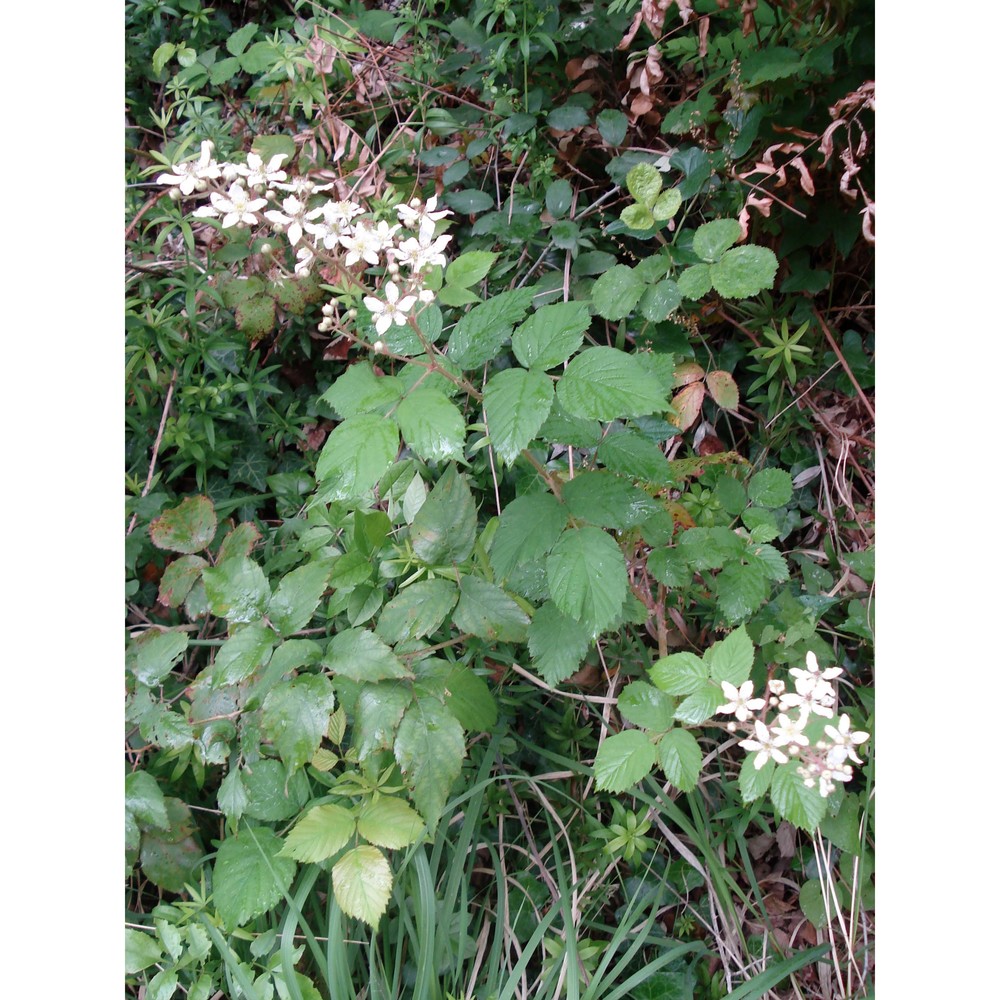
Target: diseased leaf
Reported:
point(186, 528)
point(623, 760)
point(687, 403)
point(178, 579)
point(723, 389)
point(250, 875)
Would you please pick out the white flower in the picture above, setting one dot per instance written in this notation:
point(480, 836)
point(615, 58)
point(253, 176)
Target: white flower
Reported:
point(415, 215)
point(258, 174)
point(238, 208)
point(302, 187)
point(304, 259)
point(367, 243)
point(393, 310)
point(294, 220)
point(418, 253)
point(786, 731)
point(741, 702)
point(844, 740)
point(776, 686)
point(764, 745)
point(192, 175)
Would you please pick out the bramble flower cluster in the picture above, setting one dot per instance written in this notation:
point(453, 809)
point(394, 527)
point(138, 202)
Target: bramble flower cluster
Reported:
point(823, 761)
point(339, 233)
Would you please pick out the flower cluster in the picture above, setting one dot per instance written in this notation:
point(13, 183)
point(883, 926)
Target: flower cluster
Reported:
point(823, 761)
point(339, 233)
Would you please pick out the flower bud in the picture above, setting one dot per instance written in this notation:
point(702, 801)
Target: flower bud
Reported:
point(378, 347)
point(351, 314)
point(267, 249)
point(175, 194)
point(327, 310)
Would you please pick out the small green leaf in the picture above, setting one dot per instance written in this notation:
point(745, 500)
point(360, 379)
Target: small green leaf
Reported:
point(567, 117)
point(714, 238)
point(557, 644)
point(295, 716)
point(321, 833)
point(700, 704)
point(469, 699)
point(481, 332)
point(444, 529)
point(623, 760)
point(432, 425)
point(162, 56)
point(356, 455)
point(744, 271)
point(417, 610)
point(298, 594)
point(603, 383)
point(156, 653)
point(616, 292)
point(559, 197)
point(186, 528)
point(237, 590)
point(246, 649)
point(631, 454)
point(646, 706)
point(586, 576)
point(141, 951)
point(250, 876)
point(516, 404)
point(272, 795)
point(770, 488)
point(667, 205)
point(239, 40)
point(695, 282)
point(485, 610)
point(638, 217)
point(389, 822)
point(144, 800)
point(660, 300)
point(753, 782)
point(679, 673)
point(731, 658)
point(680, 757)
point(801, 806)
point(232, 796)
point(551, 335)
point(469, 202)
point(644, 183)
point(362, 883)
point(613, 125)
point(363, 656)
point(359, 390)
point(378, 712)
point(470, 268)
point(741, 589)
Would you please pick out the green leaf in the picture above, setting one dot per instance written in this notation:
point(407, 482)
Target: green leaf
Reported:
point(485, 610)
point(363, 656)
point(163, 54)
point(680, 757)
point(378, 713)
point(470, 268)
point(762, 525)
point(557, 644)
point(842, 830)
point(170, 859)
point(295, 716)
point(631, 454)
point(603, 383)
point(444, 529)
point(186, 528)
point(695, 282)
point(801, 806)
point(613, 126)
point(429, 749)
point(178, 579)
point(567, 117)
point(237, 590)
point(773, 62)
point(744, 271)
point(362, 883)
point(667, 205)
point(242, 653)
point(559, 197)
point(700, 704)
point(272, 795)
point(239, 40)
point(516, 404)
point(770, 562)
point(223, 71)
point(754, 783)
point(469, 699)
point(432, 425)
point(660, 300)
point(714, 238)
point(250, 877)
point(359, 390)
point(710, 548)
point(156, 653)
point(668, 567)
point(390, 822)
point(481, 332)
point(616, 292)
point(646, 706)
point(320, 834)
point(470, 201)
point(723, 389)
point(623, 760)
point(638, 217)
point(644, 183)
point(356, 455)
point(232, 796)
point(731, 659)
point(696, 167)
point(607, 500)
point(144, 800)
point(438, 156)
point(770, 488)
point(417, 610)
point(239, 542)
point(679, 673)
point(298, 595)
point(549, 336)
point(141, 951)
point(259, 58)
point(586, 576)
point(741, 590)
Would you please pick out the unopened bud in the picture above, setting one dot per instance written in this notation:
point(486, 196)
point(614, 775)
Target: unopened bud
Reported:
point(378, 347)
point(327, 310)
point(351, 314)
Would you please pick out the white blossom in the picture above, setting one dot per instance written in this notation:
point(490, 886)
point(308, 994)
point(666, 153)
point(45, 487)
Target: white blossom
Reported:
point(844, 740)
point(193, 175)
point(236, 209)
point(418, 253)
point(417, 215)
point(764, 745)
point(740, 701)
point(258, 174)
point(292, 219)
point(392, 310)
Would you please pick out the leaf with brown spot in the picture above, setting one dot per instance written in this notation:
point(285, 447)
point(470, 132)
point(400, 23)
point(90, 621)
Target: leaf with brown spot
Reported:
point(687, 403)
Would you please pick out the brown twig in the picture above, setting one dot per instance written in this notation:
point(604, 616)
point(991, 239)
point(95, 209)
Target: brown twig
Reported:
point(843, 362)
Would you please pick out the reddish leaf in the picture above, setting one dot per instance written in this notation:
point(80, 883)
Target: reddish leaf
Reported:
point(722, 388)
point(688, 372)
point(188, 528)
point(687, 403)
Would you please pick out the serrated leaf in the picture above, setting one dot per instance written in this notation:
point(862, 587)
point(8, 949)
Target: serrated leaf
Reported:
point(362, 883)
point(320, 834)
point(801, 806)
point(644, 183)
point(667, 205)
point(242, 653)
point(359, 390)
point(679, 673)
point(723, 389)
point(444, 529)
point(731, 658)
point(646, 706)
point(250, 876)
point(660, 300)
point(516, 403)
point(272, 795)
point(762, 525)
point(623, 760)
point(744, 271)
point(186, 528)
point(363, 656)
point(612, 125)
point(378, 712)
point(687, 403)
point(695, 282)
point(141, 951)
point(295, 715)
point(551, 335)
point(586, 575)
point(607, 500)
point(178, 579)
point(432, 425)
point(356, 455)
point(298, 595)
point(417, 610)
point(232, 796)
point(638, 217)
point(485, 610)
point(156, 653)
point(741, 590)
point(754, 783)
point(700, 705)
point(631, 454)
point(771, 561)
point(239, 542)
point(469, 699)
point(429, 748)
point(481, 332)
point(144, 800)
point(770, 488)
point(389, 822)
point(557, 644)
point(237, 590)
point(680, 757)
point(713, 239)
point(603, 383)
point(616, 292)
point(710, 548)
